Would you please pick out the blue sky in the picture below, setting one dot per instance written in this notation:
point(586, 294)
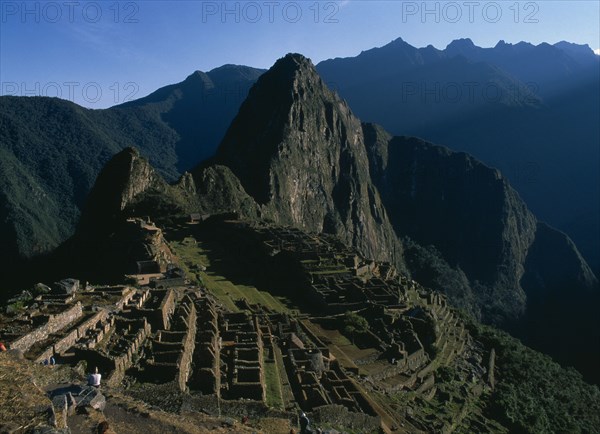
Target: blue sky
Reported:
point(105, 52)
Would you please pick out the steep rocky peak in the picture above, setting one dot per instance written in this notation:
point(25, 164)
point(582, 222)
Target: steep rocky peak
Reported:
point(135, 172)
point(124, 177)
point(293, 73)
point(288, 113)
point(299, 152)
point(291, 64)
point(461, 46)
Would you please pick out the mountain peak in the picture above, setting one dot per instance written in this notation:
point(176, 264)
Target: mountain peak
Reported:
point(461, 43)
point(299, 152)
point(230, 73)
point(398, 41)
point(198, 77)
point(124, 177)
point(295, 57)
point(285, 75)
point(280, 99)
point(291, 63)
point(228, 66)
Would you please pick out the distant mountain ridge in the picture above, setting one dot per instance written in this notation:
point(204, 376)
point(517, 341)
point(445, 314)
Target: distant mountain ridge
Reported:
point(199, 109)
point(529, 110)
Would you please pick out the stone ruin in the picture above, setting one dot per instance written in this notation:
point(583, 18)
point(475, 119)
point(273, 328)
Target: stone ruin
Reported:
point(242, 352)
point(337, 280)
point(171, 350)
point(315, 376)
point(206, 375)
point(170, 332)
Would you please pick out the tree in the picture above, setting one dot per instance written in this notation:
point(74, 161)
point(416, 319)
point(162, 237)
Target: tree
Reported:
point(354, 323)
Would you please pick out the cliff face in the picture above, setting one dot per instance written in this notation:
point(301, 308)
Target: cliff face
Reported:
point(219, 190)
point(540, 128)
point(477, 223)
point(554, 262)
point(129, 185)
point(299, 152)
point(296, 155)
point(562, 303)
point(123, 179)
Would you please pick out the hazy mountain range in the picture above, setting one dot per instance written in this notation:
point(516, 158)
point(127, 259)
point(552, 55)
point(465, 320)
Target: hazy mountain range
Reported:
point(530, 111)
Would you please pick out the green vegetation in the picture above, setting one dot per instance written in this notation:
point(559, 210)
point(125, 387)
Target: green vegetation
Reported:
point(50, 154)
point(429, 268)
point(51, 150)
point(195, 256)
point(354, 323)
point(16, 307)
point(273, 384)
point(534, 394)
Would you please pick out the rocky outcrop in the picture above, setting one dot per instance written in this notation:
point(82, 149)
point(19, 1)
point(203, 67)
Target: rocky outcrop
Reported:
point(219, 190)
point(476, 221)
point(108, 243)
point(128, 185)
point(126, 176)
point(464, 208)
point(299, 152)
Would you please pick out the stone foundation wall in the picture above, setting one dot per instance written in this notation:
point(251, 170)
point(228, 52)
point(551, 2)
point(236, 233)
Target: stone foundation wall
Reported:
point(94, 359)
point(63, 344)
point(127, 296)
point(206, 376)
point(54, 324)
point(92, 322)
point(70, 339)
point(167, 307)
point(158, 314)
point(339, 415)
point(125, 360)
point(189, 342)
